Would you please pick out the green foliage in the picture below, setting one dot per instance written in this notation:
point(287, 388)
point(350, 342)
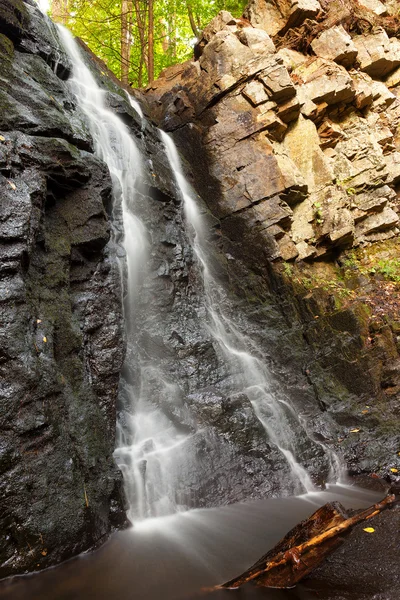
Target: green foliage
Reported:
point(389, 268)
point(288, 270)
point(334, 286)
point(98, 23)
point(318, 213)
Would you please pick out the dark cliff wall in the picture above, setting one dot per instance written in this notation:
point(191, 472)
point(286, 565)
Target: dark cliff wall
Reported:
point(61, 327)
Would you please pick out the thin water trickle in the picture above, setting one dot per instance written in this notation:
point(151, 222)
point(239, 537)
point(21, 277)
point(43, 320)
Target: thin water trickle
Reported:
point(246, 362)
point(135, 105)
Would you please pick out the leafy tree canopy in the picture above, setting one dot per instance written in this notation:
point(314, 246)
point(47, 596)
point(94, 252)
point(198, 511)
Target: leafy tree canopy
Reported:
point(139, 38)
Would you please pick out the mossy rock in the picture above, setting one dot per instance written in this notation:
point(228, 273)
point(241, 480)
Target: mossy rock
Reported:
point(6, 48)
point(13, 19)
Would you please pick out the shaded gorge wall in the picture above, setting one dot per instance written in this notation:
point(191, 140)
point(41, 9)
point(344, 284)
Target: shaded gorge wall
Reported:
point(62, 334)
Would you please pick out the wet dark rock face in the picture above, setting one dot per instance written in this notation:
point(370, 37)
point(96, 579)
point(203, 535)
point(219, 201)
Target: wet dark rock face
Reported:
point(61, 326)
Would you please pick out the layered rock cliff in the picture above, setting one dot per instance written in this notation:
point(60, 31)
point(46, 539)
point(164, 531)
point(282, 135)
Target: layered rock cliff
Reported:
point(289, 119)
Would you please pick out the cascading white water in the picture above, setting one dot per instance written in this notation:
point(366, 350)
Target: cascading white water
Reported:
point(248, 369)
point(147, 440)
point(153, 451)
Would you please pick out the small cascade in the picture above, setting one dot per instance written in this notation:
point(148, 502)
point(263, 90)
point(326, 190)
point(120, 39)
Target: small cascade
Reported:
point(135, 105)
point(248, 367)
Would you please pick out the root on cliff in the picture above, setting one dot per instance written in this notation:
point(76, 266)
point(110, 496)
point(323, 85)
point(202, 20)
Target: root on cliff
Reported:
point(353, 17)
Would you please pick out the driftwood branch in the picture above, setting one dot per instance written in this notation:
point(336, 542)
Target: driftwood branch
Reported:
point(304, 547)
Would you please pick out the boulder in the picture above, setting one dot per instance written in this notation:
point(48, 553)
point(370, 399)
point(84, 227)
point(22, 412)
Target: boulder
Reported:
point(335, 44)
point(300, 10)
point(287, 249)
point(277, 17)
point(302, 229)
point(256, 39)
point(305, 251)
point(255, 92)
point(277, 81)
point(392, 161)
point(302, 145)
point(378, 222)
point(272, 123)
point(341, 228)
point(325, 81)
point(393, 80)
point(295, 186)
point(289, 111)
point(371, 202)
point(382, 97)
point(330, 134)
point(363, 89)
point(272, 211)
point(376, 6)
point(220, 22)
point(266, 15)
point(291, 58)
point(378, 55)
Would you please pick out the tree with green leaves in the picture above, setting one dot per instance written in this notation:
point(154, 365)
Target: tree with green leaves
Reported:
point(137, 39)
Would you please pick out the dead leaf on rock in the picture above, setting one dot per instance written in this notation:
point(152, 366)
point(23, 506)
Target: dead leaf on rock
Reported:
point(354, 430)
point(369, 529)
point(12, 185)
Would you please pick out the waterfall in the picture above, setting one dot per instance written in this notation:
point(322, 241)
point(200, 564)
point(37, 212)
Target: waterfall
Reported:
point(249, 370)
point(147, 439)
point(158, 439)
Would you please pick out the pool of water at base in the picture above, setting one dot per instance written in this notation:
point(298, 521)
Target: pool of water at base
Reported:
point(175, 557)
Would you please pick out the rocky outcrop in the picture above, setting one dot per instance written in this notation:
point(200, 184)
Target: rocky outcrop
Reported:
point(61, 326)
point(296, 154)
point(317, 131)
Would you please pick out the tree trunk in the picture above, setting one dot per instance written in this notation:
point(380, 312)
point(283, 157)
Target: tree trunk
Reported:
point(126, 21)
point(150, 40)
point(141, 27)
point(304, 547)
point(192, 21)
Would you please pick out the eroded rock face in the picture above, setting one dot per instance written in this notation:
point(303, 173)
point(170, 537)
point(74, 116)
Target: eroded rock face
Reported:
point(297, 155)
point(310, 129)
point(60, 299)
point(61, 326)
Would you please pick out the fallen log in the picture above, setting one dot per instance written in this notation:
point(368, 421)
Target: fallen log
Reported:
point(304, 547)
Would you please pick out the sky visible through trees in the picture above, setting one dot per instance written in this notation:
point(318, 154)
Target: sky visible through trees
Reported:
point(137, 39)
